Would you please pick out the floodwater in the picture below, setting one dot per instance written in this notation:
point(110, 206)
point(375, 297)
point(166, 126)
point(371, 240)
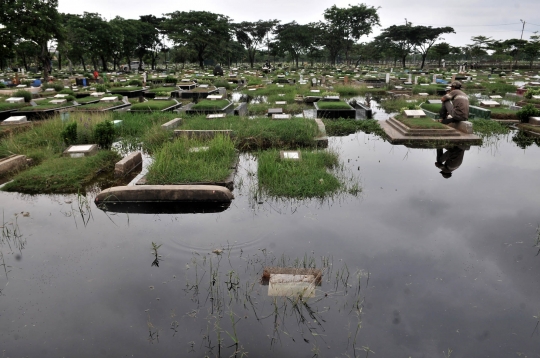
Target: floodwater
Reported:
point(413, 266)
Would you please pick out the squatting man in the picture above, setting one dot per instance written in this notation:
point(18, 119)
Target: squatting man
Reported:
point(455, 105)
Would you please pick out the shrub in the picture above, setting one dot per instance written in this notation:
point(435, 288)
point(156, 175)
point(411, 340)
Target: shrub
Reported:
point(135, 83)
point(101, 88)
point(171, 79)
point(104, 134)
point(120, 97)
point(531, 92)
point(2, 85)
point(222, 83)
point(527, 111)
point(70, 98)
point(22, 93)
point(69, 133)
point(58, 87)
point(67, 91)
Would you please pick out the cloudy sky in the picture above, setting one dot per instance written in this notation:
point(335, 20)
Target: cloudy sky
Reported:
point(499, 19)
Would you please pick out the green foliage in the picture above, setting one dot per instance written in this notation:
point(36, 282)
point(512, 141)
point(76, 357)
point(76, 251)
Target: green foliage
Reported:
point(62, 174)
point(152, 105)
point(101, 88)
point(333, 105)
point(171, 79)
point(70, 98)
point(330, 94)
point(222, 83)
point(532, 92)
point(67, 91)
point(69, 133)
point(527, 111)
point(2, 85)
point(211, 105)
point(305, 178)
point(410, 106)
point(523, 140)
point(22, 93)
point(177, 163)
point(421, 123)
point(104, 134)
point(136, 83)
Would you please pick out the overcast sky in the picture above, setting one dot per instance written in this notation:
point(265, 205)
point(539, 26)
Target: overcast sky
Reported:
point(499, 19)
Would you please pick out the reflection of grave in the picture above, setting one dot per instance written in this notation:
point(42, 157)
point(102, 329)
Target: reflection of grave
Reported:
point(290, 281)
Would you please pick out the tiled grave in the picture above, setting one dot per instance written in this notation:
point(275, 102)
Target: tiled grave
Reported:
point(414, 113)
point(79, 151)
point(15, 100)
point(15, 120)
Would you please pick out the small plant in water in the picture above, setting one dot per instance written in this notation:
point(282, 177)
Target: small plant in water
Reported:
point(155, 247)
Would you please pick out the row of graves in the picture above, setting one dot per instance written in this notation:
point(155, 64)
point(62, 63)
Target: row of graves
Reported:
point(257, 96)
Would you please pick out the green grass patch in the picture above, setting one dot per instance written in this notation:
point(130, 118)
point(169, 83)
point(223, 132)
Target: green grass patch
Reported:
point(432, 107)
point(7, 106)
point(420, 123)
point(261, 132)
point(393, 105)
point(348, 90)
point(261, 109)
point(333, 105)
point(87, 99)
point(98, 106)
point(62, 175)
point(175, 163)
point(306, 178)
point(485, 127)
point(500, 88)
point(211, 105)
point(163, 89)
point(152, 105)
point(124, 89)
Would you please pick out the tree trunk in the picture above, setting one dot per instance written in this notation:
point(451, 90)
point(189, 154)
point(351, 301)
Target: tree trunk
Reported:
point(423, 60)
point(59, 61)
point(403, 60)
point(83, 64)
point(104, 63)
point(201, 60)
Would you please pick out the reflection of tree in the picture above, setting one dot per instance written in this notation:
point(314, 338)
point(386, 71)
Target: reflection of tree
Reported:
point(524, 140)
point(11, 238)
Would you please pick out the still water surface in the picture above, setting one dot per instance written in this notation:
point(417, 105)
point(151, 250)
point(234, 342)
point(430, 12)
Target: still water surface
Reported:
point(414, 265)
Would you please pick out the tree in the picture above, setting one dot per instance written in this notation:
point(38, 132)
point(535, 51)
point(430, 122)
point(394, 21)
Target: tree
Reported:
point(251, 35)
point(401, 36)
point(37, 21)
point(440, 50)
point(151, 36)
point(294, 38)
point(200, 30)
point(425, 36)
point(26, 52)
point(344, 26)
point(532, 49)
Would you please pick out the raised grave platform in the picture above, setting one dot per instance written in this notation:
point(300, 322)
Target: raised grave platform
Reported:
point(399, 133)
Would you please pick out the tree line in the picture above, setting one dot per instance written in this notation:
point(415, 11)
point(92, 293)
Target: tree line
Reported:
point(30, 28)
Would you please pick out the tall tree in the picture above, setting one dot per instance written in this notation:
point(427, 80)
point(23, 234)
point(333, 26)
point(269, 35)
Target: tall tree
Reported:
point(251, 35)
point(343, 27)
point(200, 30)
point(426, 36)
point(402, 38)
point(37, 21)
point(152, 37)
point(532, 49)
point(294, 38)
point(439, 51)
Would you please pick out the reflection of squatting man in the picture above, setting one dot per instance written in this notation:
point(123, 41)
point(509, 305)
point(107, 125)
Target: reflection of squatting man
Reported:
point(455, 106)
point(449, 161)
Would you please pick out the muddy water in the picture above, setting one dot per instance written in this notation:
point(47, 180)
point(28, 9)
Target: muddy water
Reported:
point(415, 265)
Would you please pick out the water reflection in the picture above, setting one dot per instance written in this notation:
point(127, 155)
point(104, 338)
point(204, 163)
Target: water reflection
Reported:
point(449, 161)
point(163, 207)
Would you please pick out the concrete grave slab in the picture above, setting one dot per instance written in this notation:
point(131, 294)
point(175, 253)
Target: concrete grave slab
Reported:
point(79, 151)
point(49, 90)
point(416, 113)
point(214, 97)
point(61, 95)
point(274, 111)
point(282, 285)
point(11, 163)
point(174, 123)
point(127, 164)
point(490, 104)
point(15, 120)
point(535, 121)
point(281, 102)
point(15, 100)
point(109, 99)
point(495, 97)
point(315, 91)
point(58, 101)
point(97, 94)
point(281, 116)
point(216, 115)
point(434, 101)
point(423, 94)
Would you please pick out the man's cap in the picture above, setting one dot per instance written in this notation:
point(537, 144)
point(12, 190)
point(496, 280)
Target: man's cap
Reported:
point(456, 84)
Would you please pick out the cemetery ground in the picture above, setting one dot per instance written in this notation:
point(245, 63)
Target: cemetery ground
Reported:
point(347, 246)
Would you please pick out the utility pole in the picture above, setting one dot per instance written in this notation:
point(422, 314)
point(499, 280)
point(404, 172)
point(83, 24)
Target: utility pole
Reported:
point(523, 28)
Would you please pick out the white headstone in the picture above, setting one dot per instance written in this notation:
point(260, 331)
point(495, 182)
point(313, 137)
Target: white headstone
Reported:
point(416, 113)
point(15, 120)
point(109, 99)
point(15, 100)
point(387, 78)
point(58, 101)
